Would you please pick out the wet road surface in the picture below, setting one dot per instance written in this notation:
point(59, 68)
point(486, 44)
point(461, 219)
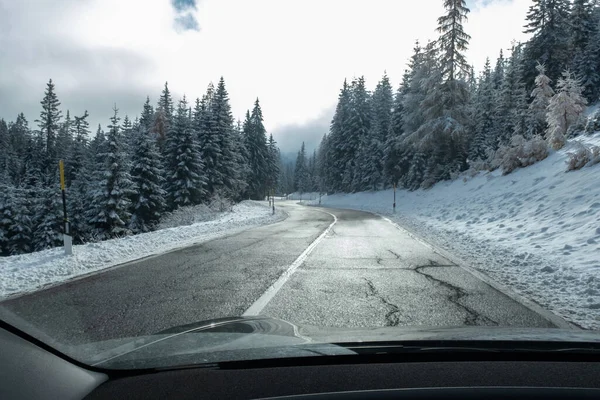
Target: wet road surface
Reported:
point(362, 272)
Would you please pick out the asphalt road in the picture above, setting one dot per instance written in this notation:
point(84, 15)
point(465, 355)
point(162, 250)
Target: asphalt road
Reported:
point(364, 272)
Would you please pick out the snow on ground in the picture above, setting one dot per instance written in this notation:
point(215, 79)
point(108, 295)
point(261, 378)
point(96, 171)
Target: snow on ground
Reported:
point(537, 230)
point(28, 272)
point(303, 196)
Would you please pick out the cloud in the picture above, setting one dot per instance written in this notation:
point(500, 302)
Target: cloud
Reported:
point(262, 48)
point(290, 137)
point(185, 19)
point(184, 5)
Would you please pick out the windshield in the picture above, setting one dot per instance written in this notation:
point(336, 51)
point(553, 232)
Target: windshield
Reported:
point(193, 181)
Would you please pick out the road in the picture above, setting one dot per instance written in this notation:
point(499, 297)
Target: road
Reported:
point(362, 271)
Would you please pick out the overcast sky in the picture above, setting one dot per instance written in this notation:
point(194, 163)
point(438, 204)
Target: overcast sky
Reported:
point(292, 54)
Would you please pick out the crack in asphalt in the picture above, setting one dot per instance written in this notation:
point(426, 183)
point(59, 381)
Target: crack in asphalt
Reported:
point(379, 260)
point(392, 317)
point(395, 254)
point(472, 317)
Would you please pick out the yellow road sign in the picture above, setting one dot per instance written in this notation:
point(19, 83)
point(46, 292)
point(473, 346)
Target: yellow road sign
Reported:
point(61, 166)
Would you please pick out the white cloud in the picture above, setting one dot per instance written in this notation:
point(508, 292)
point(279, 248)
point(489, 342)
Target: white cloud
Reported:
point(291, 54)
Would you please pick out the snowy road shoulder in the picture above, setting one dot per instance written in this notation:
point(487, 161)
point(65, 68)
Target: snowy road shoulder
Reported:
point(30, 272)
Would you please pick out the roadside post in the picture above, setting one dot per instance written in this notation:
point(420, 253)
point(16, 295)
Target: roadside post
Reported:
point(273, 197)
point(67, 238)
point(394, 197)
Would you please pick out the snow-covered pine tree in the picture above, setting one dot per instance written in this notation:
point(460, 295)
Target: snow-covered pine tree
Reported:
point(227, 164)
point(505, 117)
point(128, 135)
point(395, 165)
point(565, 108)
point(209, 141)
point(541, 94)
point(255, 140)
point(581, 26)
point(163, 117)
point(356, 143)
point(381, 126)
point(337, 133)
point(79, 154)
point(64, 138)
point(322, 166)
point(20, 231)
point(111, 200)
point(301, 171)
point(483, 115)
point(78, 208)
point(272, 163)
point(47, 219)
point(443, 134)
point(548, 22)
point(587, 63)
point(185, 177)
point(147, 117)
point(148, 198)
point(6, 217)
point(49, 124)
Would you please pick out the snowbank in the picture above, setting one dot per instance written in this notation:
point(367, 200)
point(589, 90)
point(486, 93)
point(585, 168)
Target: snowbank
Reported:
point(303, 196)
point(28, 272)
point(536, 230)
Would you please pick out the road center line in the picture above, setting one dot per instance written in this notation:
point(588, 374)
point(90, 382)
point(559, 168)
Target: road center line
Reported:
point(272, 290)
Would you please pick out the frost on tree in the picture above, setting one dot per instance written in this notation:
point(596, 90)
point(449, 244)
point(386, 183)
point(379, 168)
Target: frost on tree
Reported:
point(112, 198)
point(185, 170)
point(541, 94)
point(565, 108)
point(148, 198)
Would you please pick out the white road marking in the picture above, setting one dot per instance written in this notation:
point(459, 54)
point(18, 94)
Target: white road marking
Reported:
point(268, 295)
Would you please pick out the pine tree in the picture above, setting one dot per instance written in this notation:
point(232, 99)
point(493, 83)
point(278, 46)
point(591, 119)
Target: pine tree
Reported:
point(381, 127)
point(453, 40)
point(256, 146)
point(301, 171)
point(79, 155)
point(6, 217)
point(64, 138)
point(20, 231)
point(163, 118)
point(78, 204)
point(148, 199)
point(565, 108)
point(483, 115)
point(272, 163)
point(49, 123)
point(337, 151)
point(224, 173)
point(186, 181)
point(356, 139)
point(147, 117)
point(541, 94)
point(581, 24)
point(111, 200)
point(47, 219)
point(586, 64)
point(323, 185)
point(548, 21)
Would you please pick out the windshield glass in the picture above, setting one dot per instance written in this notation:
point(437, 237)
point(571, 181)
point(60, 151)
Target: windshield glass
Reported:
point(193, 181)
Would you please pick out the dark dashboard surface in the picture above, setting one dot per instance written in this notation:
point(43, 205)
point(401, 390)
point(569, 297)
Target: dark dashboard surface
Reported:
point(302, 380)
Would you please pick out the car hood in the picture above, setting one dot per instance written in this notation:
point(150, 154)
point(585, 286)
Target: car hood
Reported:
point(248, 338)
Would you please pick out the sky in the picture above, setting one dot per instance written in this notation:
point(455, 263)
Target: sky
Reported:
point(291, 54)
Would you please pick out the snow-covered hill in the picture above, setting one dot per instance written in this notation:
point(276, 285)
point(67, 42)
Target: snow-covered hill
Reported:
point(537, 230)
point(28, 272)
